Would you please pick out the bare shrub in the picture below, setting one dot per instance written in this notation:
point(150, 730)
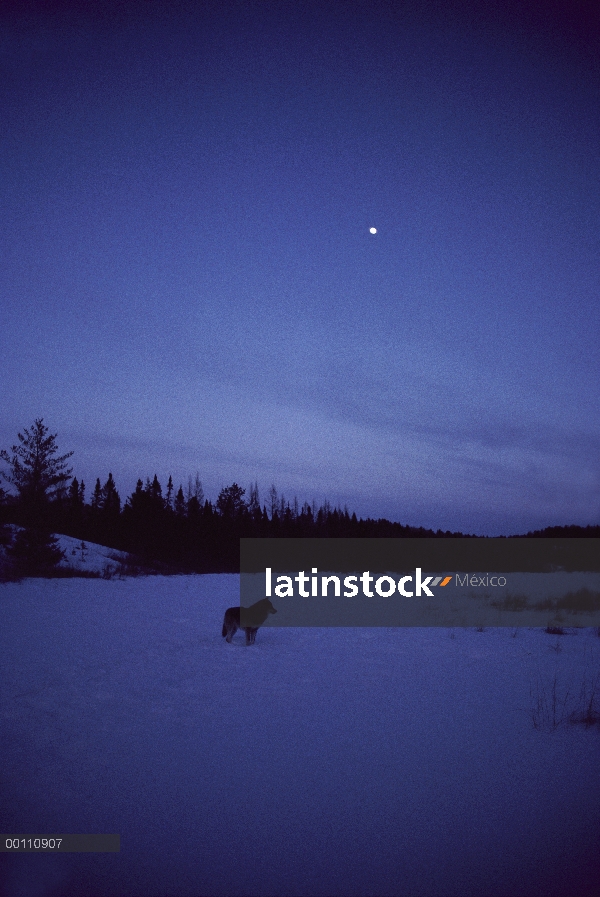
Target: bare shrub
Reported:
point(554, 705)
point(587, 711)
point(549, 705)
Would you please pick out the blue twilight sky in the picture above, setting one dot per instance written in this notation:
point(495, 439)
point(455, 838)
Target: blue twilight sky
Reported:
point(188, 281)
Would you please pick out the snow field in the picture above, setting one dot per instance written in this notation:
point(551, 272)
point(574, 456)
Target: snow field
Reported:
point(316, 762)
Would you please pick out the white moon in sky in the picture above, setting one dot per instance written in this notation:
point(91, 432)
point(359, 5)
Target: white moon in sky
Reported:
point(372, 230)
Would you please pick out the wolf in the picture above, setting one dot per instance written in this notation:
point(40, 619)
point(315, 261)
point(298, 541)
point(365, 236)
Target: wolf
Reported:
point(255, 615)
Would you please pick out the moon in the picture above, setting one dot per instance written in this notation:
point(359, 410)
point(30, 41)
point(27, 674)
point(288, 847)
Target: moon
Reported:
point(372, 230)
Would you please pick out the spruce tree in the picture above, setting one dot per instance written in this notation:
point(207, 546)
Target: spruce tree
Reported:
point(97, 496)
point(154, 489)
point(169, 498)
point(111, 501)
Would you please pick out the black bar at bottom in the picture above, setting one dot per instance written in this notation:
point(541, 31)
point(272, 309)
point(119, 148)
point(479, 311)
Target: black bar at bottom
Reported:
point(60, 843)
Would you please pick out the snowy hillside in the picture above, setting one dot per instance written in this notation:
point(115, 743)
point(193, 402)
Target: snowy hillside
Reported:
point(317, 762)
point(89, 556)
point(82, 556)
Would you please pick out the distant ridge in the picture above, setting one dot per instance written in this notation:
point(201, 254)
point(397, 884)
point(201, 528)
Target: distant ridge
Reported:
point(564, 532)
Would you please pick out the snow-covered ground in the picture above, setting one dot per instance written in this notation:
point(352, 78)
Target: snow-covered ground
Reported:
point(317, 762)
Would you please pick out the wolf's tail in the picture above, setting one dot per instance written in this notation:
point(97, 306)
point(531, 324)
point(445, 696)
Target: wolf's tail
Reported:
point(224, 632)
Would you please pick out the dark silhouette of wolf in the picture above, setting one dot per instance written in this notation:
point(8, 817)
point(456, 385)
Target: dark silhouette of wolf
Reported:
point(253, 617)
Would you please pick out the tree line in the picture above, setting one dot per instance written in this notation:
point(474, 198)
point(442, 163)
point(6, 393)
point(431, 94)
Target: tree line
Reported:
point(175, 529)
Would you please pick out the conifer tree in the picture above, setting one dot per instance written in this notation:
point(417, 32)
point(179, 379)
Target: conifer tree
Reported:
point(193, 508)
point(74, 502)
point(36, 472)
point(97, 496)
point(111, 501)
point(74, 507)
point(273, 501)
point(39, 476)
point(169, 498)
point(180, 503)
point(155, 490)
point(34, 552)
point(230, 502)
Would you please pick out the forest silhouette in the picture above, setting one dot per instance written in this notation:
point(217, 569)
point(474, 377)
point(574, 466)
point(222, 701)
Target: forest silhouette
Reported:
point(168, 529)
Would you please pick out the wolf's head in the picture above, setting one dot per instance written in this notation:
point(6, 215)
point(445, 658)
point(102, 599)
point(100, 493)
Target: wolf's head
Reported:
point(256, 614)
